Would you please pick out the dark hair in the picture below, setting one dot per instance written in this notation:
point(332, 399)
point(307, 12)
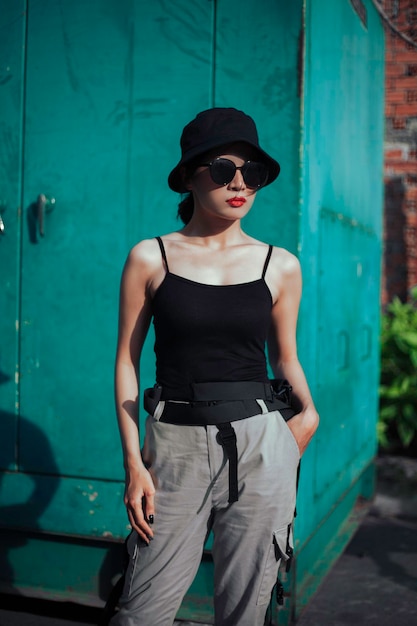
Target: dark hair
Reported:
point(186, 208)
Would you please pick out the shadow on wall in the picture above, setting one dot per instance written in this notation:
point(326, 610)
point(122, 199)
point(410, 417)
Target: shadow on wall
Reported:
point(395, 270)
point(20, 512)
point(18, 519)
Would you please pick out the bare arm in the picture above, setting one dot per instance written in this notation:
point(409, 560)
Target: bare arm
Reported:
point(282, 346)
point(134, 319)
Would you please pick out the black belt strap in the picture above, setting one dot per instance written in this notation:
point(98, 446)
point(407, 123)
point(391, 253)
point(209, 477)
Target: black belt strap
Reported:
point(227, 437)
point(211, 403)
point(206, 413)
point(207, 392)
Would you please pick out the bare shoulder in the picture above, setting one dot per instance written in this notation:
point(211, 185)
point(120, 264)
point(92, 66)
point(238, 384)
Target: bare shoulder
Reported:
point(144, 265)
point(144, 251)
point(145, 256)
point(284, 262)
point(284, 274)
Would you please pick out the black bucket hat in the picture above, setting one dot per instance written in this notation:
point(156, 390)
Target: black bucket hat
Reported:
point(215, 128)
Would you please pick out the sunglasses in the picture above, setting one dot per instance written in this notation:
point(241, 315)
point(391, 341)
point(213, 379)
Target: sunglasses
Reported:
point(223, 171)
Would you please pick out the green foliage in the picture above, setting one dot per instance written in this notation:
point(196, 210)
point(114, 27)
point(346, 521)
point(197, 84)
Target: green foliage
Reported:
point(397, 425)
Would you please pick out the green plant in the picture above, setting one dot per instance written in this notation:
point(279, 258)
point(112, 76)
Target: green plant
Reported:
point(398, 389)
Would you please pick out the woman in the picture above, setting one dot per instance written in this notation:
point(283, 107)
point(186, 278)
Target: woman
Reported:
point(218, 455)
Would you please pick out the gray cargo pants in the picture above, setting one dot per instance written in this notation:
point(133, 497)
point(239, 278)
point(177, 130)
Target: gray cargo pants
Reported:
point(250, 536)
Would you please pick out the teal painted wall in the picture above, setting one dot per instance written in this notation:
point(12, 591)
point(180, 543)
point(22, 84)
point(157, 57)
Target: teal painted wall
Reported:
point(340, 247)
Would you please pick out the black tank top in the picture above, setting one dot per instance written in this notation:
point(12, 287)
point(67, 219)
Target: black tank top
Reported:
point(210, 333)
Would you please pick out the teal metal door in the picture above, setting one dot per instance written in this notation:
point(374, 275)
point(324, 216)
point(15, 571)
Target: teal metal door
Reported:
point(340, 237)
point(94, 145)
point(91, 122)
point(72, 151)
point(346, 361)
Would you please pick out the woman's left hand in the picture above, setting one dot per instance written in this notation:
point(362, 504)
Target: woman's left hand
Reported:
point(303, 426)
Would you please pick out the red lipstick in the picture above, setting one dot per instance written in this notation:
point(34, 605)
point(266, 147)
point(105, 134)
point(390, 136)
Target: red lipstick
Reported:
point(237, 201)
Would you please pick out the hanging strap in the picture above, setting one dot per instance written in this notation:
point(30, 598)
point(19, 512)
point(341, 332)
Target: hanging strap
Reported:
point(163, 253)
point(268, 256)
point(114, 596)
point(112, 602)
point(227, 438)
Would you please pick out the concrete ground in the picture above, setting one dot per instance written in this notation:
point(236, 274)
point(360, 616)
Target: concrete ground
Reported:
point(374, 582)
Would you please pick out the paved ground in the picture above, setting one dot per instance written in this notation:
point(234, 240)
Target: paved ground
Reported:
point(374, 582)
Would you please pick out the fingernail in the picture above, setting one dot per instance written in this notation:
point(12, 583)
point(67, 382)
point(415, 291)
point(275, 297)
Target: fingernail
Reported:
point(151, 519)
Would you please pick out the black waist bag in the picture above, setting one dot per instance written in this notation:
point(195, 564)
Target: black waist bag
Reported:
point(218, 402)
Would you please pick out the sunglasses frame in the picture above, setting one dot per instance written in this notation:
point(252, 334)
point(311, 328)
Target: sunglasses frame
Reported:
point(243, 168)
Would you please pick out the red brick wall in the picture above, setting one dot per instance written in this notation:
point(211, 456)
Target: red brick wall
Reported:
point(400, 215)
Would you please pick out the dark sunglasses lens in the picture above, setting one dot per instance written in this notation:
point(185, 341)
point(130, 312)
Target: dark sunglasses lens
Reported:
point(222, 171)
point(255, 174)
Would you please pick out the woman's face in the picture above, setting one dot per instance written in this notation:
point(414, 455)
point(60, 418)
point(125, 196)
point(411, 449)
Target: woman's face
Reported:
point(230, 201)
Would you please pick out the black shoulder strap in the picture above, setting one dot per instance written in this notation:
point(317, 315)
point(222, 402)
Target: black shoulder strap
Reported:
point(164, 256)
point(268, 256)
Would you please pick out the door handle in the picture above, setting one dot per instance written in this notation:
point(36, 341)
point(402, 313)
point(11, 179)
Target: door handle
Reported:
point(43, 205)
point(3, 207)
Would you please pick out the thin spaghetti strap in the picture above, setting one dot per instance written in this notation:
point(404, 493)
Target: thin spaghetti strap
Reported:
point(164, 256)
point(268, 256)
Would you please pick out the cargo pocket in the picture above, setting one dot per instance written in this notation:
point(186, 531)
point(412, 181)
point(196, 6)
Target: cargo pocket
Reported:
point(290, 436)
point(281, 550)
